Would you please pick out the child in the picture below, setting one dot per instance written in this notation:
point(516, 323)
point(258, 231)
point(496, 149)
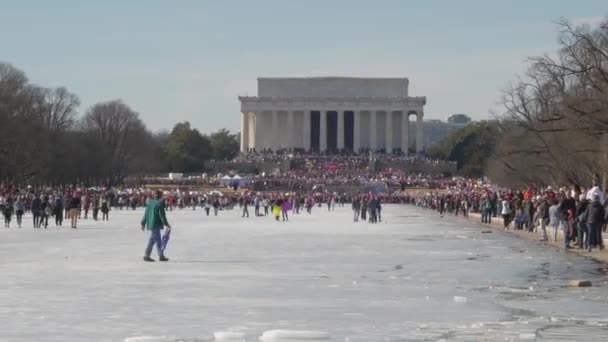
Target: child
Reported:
point(276, 210)
point(105, 209)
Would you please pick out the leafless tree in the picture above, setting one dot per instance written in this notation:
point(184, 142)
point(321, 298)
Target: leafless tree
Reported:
point(555, 122)
point(121, 134)
point(59, 112)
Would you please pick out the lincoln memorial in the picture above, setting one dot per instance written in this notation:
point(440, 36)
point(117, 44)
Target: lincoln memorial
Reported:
point(331, 113)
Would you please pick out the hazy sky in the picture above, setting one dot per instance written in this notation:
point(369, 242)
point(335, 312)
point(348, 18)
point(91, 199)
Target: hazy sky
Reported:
point(189, 60)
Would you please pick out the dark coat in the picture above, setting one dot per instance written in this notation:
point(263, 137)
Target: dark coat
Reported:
point(595, 213)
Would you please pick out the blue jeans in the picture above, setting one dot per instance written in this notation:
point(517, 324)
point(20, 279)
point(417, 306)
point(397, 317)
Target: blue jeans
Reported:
point(154, 239)
point(582, 231)
point(565, 225)
point(486, 216)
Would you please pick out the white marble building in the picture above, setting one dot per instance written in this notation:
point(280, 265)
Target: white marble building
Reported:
point(331, 113)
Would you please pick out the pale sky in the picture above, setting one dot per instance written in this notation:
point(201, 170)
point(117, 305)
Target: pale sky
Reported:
point(183, 60)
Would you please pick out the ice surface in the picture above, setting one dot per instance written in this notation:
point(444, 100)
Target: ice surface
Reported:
point(392, 281)
point(149, 339)
point(293, 335)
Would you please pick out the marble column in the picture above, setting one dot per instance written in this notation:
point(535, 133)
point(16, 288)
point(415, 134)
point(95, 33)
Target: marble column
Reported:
point(259, 131)
point(275, 141)
point(244, 132)
point(252, 123)
point(340, 143)
point(373, 141)
point(405, 132)
point(356, 131)
point(306, 118)
point(291, 129)
point(419, 133)
point(388, 145)
point(323, 131)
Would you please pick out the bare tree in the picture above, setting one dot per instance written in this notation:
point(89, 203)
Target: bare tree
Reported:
point(556, 117)
point(120, 133)
point(59, 112)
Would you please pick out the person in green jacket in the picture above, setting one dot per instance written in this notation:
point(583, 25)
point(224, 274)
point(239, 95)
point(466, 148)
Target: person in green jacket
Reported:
point(154, 220)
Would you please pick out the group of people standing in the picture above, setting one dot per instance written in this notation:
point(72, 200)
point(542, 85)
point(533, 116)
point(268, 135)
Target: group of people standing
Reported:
point(362, 205)
point(578, 215)
point(59, 206)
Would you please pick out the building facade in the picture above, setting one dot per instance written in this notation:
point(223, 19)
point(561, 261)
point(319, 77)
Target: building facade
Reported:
point(331, 113)
point(459, 121)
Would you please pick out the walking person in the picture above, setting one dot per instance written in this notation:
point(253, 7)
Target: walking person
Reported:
point(373, 210)
point(486, 210)
point(276, 209)
point(105, 210)
point(8, 212)
point(543, 216)
point(356, 208)
point(45, 212)
point(595, 216)
point(256, 204)
point(245, 205)
point(555, 218)
point(207, 206)
point(58, 211)
point(74, 208)
point(86, 205)
point(285, 207)
point(309, 204)
point(582, 231)
point(96, 208)
point(36, 208)
point(506, 213)
point(364, 210)
point(155, 220)
point(266, 204)
point(216, 206)
point(19, 208)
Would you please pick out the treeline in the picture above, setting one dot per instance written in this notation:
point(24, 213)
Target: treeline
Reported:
point(43, 140)
point(555, 126)
point(554, 129)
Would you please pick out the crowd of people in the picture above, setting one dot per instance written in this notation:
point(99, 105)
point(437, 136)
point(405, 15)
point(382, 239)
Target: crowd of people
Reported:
point(576, 215)
point(58, 203)
point(310, 170)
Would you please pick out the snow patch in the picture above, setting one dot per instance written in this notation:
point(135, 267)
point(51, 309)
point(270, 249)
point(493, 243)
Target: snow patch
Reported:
point(149, 339)
point(527, 336)
point(229, 336)
point(293, 335)
point(460, 299)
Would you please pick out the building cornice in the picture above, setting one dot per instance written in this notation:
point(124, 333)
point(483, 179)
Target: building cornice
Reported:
point(254, 103)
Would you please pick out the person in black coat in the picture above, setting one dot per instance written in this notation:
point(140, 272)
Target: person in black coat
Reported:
point(58, 211)
point(595, 217)
point(36, 209)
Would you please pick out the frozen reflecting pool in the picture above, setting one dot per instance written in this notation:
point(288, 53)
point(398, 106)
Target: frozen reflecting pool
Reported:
point(413, 277)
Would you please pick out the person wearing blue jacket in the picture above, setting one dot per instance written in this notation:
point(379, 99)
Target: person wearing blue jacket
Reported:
point(155, 220)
